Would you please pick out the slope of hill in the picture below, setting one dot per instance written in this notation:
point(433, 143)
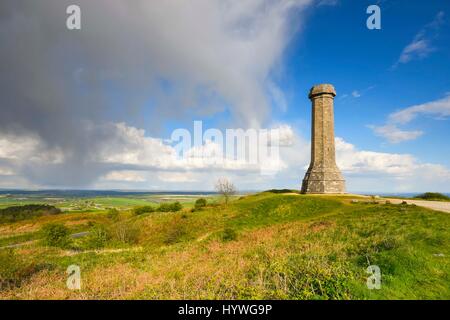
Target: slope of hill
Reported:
point(263, 246)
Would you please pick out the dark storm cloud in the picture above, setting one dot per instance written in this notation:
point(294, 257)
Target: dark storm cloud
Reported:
point(64, 87)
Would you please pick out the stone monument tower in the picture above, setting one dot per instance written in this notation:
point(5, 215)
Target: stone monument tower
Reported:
point(323, 175)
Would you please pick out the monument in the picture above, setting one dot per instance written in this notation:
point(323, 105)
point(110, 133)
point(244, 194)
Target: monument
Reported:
point(323, 175)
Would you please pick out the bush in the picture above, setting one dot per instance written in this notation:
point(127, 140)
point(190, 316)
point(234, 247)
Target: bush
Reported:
point(125, 232)
point(113, 214)
point(229, 234)
point(175, 231)
point(144, 209)
point(200, 203)
point(56, 235)
point(170, 207)
point(432, 196)
point(97, 238)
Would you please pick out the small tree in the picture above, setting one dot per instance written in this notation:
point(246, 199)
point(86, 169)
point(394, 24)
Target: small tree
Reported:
point(226, 188)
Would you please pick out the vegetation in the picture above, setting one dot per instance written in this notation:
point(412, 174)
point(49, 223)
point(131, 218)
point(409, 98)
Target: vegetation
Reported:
point(229, 234)
point(55, 235)
point(18, 213)
point(97, 238)
point(282, 191)
point(170, 207)
point(200, 203)
point(226, 188)
point(15, 271)
point(113, 214)
point(126, 232)
point(266, 246)
point(144, 209)
point(433, 196)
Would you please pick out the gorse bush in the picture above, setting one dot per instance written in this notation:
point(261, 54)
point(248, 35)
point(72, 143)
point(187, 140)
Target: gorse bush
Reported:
point(229, 234)
point(56, 235)
point(170, 207)
point(125, 232)
point(175, 230)
point(113, 214)
point(97, 238)
point(144, 209)
point(200, 203)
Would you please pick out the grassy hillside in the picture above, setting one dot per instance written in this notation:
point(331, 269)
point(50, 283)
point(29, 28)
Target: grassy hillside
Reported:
point(264, 246)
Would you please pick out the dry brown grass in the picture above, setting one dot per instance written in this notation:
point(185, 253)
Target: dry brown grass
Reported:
point(206, 271)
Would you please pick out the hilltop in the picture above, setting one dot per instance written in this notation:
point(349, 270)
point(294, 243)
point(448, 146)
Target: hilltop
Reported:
point(271, 245)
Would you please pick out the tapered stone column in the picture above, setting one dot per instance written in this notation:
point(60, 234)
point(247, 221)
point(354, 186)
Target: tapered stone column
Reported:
point(323, 175)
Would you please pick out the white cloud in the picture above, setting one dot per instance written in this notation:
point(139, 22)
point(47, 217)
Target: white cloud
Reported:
point(327, 3)
point(138, 161)
point(125, 175)
point(388, 172)
point(176, 177)
point(28, 148)
point(418, 48)
point(356, 94)
point(439, 109)
point(421, 46)
point(395, 135)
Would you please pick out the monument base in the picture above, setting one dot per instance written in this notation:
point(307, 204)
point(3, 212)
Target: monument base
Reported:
point(329, 181)
point(322, 186)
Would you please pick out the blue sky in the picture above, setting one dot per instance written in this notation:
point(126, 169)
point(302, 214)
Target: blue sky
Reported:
point(337, 47)
point(95, 108)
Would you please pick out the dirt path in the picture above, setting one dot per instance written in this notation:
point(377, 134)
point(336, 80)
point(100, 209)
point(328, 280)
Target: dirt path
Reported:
point(435, 205)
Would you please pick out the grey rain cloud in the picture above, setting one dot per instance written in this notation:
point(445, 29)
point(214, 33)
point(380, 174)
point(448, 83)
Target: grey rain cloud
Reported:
point(170, 58)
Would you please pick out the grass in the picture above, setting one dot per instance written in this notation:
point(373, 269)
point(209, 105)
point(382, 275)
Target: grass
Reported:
point(263, 246)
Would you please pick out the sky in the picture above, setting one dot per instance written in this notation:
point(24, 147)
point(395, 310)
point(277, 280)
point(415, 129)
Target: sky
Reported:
point(96, 108)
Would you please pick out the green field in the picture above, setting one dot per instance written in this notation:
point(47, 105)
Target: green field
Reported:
point(263, 246)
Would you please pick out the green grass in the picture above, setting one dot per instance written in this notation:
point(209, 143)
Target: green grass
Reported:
point(263, 246)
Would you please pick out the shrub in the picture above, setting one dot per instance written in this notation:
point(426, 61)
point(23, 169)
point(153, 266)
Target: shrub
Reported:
point(229, 234)
point(56, 235)
point(432, 196)
point(113, 214)
point(170, 207)
point(144, 209)
point(200, 203)
point(175, 231)
point(97, 238)
point(125, 232)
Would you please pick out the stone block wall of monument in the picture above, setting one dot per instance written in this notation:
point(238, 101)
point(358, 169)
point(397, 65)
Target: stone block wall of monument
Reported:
point(323, 175)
